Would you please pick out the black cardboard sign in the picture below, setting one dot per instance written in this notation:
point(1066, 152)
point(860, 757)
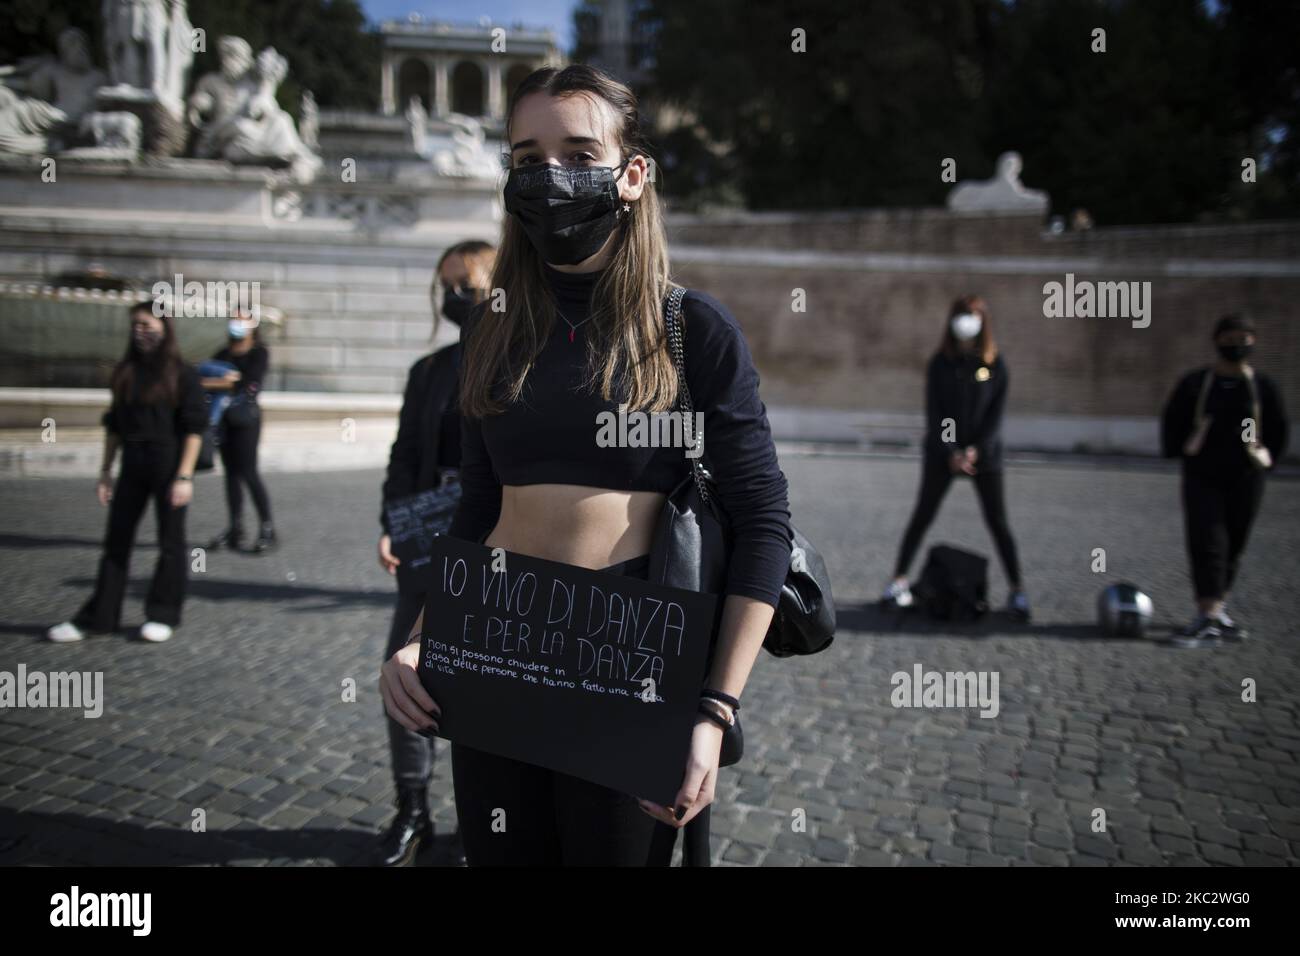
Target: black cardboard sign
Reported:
point(414, 522)
point(592, 674)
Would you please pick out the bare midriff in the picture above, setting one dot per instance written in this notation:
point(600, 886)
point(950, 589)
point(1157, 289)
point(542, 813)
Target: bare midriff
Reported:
point(575, 524)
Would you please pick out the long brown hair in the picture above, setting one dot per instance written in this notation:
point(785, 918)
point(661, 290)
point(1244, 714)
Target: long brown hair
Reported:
point(478, 258)
point(148, 378)
point(626, 348)
point(985, 347)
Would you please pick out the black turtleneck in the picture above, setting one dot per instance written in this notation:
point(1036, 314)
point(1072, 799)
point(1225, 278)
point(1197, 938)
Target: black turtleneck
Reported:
point(550, 436)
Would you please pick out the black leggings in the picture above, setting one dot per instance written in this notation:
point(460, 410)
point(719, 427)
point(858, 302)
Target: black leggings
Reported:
point(412, 754)
point(1217, 513)
point(517, 814)
point(239, 457)
point(147, 474)
point(935, 480)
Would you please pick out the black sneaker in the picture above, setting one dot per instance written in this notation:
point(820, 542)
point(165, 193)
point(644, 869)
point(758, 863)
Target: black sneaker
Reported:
point(231, 538)
point(1202, 632)
point(1229, 631)
point(265, 539)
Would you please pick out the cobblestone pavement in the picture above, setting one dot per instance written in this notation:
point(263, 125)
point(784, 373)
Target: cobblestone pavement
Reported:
point(241, 714)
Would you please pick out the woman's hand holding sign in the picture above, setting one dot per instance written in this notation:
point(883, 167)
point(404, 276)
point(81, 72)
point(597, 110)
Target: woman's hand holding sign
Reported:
point(700, 783)
point(405, 698)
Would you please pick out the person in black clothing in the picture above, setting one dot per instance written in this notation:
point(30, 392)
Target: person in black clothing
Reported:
point(582, 275)
point(966, 392)
point(426, 455)
point(1227, 424)
point(157, 418)
point(241, 431)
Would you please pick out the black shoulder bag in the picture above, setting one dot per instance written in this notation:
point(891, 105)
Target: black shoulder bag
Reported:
point(692, 547)
point(693, 540)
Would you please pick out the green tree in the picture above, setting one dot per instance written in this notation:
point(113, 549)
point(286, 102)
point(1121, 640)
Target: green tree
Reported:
point(330, 48)
point(864, 117)
point(1147, 131)
point(1151, 130)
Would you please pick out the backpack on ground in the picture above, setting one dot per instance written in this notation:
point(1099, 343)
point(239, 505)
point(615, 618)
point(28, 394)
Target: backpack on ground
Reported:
point(954, 584)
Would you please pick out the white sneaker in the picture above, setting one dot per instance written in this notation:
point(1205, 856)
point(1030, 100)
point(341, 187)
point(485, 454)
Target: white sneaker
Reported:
point(65, 633)
point(155, 632)
point(899, 595)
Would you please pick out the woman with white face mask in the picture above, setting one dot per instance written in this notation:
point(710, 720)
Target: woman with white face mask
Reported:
point(966, 391)
point(247, 358)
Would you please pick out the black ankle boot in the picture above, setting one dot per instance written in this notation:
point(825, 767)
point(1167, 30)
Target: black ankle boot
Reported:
point(231, 538)
point(411, 830)
point(265, 539)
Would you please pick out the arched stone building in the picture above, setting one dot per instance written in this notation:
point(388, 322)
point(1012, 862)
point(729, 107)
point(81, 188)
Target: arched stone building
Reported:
point(458, 68)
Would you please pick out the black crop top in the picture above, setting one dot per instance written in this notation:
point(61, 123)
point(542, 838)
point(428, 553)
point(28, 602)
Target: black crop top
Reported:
point(550, 437)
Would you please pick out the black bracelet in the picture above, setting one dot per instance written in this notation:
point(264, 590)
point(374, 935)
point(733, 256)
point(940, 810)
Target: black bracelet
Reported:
point(719, 695)
point(716, 718)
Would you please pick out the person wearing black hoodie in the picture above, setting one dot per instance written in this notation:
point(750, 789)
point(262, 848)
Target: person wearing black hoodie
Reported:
point(1227, 424)
point(425, 456)
point(966, 392)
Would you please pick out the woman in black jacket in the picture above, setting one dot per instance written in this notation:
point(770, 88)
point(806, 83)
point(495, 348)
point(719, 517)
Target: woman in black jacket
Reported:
point(1226, 422)
point(425, 456)
point(966, 392)
point(241, 432)
point(157, 418)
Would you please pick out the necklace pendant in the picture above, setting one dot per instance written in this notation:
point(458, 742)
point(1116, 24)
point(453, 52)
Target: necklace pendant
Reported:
point(571, 331)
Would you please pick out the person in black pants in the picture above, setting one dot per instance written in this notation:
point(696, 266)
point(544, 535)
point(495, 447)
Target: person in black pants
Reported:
point(241, 431)
point(156, 417)
point(1227, 424)
point(966, 392)
point(574, 332)
point(425, 455)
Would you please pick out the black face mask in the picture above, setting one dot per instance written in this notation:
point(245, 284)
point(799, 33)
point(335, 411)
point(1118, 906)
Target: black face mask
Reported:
point(146, 342)
point(567, 212)
point(1236, 353)
point(456, 305)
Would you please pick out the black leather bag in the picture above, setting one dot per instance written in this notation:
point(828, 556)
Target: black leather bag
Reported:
point(243, 411)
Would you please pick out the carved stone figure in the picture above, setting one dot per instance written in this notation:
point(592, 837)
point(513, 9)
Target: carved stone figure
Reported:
point(180, 56)
point(219, 98)
point(469, 155)
point(148, 46)
point(1003, 193)
point(264, 133)
point(309, 121)
point(25, 124)
point(135, 41)
point(116, 132)
point(68, 81)
point(418, 120)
